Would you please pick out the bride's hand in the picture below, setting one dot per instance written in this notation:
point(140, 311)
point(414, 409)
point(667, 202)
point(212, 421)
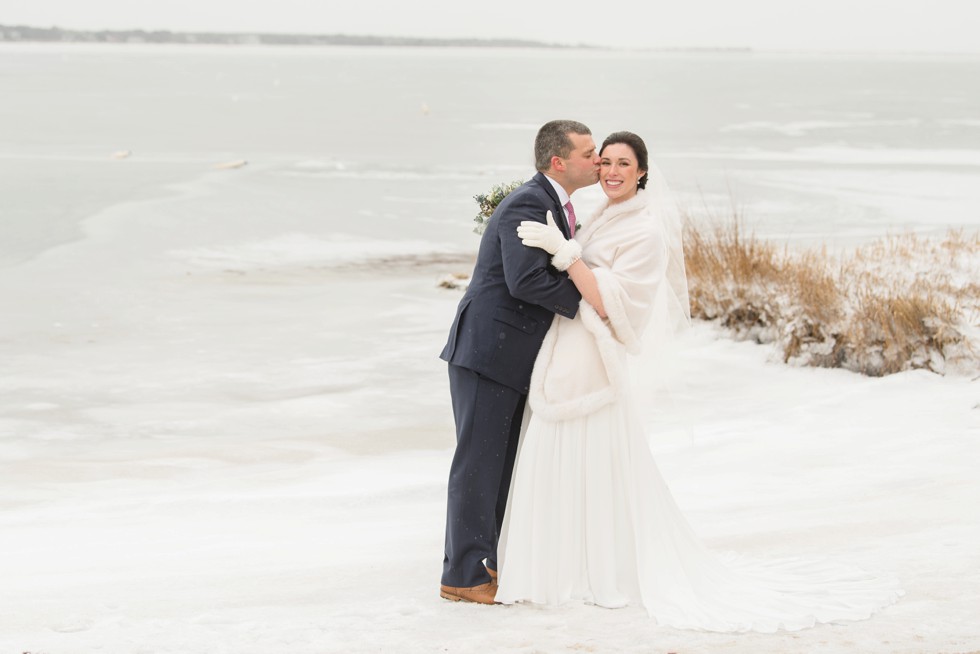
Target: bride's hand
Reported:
point(549, 238)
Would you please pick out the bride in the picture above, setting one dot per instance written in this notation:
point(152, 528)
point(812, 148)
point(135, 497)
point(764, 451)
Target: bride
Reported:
point(589, 516)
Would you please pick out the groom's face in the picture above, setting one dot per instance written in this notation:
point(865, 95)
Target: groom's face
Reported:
point(582, 164)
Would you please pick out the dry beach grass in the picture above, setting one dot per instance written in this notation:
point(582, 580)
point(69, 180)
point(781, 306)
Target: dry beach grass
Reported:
point(901, 302)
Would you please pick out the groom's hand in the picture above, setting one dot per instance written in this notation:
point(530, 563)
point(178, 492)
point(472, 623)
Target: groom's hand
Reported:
point(549, 238)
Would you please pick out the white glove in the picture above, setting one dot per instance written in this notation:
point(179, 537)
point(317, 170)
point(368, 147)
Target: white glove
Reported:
point(550, 239)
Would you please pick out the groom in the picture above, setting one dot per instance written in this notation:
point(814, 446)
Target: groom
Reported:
point(500, 324)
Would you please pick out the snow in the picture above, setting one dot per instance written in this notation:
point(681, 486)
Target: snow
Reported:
point(233, 516)
point(231, 439)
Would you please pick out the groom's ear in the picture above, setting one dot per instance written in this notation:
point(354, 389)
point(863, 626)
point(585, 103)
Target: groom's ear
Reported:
point(557, 163)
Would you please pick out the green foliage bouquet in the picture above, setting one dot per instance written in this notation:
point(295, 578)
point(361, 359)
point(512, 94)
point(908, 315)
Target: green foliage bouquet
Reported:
point(488, 203)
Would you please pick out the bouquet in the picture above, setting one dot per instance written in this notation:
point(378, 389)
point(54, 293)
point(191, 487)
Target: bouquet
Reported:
point(488, 203)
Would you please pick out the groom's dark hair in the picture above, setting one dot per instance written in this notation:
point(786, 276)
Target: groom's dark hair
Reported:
point(552, 141)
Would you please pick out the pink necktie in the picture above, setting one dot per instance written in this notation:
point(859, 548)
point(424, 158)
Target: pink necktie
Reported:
point(571, 218)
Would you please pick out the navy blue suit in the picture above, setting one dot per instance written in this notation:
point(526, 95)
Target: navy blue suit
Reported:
point(500, 324)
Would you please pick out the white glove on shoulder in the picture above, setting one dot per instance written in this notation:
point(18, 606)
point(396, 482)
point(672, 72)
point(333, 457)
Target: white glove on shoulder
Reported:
point(549, 238)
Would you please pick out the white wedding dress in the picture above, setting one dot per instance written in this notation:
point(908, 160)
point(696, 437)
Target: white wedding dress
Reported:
point(589, 516)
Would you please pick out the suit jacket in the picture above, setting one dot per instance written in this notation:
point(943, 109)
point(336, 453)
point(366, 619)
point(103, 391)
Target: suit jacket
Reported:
point(513, 294)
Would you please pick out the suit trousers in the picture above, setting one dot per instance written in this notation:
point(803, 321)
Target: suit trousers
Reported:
point(488, 423)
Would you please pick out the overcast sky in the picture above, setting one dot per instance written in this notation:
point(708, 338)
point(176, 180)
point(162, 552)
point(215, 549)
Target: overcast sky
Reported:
point(861, 25)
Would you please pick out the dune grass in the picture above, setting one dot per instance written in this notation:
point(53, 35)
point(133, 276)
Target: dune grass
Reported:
point(901, 302)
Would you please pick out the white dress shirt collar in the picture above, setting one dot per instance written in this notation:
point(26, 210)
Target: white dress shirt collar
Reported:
point(563, 198)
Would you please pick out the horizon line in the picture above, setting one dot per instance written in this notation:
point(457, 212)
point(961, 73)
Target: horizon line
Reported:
point(381, 40)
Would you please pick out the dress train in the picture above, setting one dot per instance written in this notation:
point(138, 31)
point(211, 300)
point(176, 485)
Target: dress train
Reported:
point(590, 518)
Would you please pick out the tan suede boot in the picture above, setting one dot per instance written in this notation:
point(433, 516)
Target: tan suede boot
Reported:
point(482, 594)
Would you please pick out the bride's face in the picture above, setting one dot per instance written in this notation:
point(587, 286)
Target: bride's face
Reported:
point(618, 172)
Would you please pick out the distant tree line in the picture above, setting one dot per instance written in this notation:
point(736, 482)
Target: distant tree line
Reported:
point(56, 34)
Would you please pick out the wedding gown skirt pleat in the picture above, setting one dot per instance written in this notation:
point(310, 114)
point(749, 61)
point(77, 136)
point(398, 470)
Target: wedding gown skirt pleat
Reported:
point(590, 518)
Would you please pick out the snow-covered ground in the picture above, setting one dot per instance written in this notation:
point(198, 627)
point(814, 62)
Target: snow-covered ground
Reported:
point(268, 491)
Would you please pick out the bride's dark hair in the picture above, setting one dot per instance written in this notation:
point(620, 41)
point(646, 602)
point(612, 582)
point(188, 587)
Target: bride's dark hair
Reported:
point(639, 149)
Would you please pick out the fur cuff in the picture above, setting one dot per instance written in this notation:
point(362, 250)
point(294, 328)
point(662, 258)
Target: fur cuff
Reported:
point(566, 255)
point(619, 321)
point(585, 402)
